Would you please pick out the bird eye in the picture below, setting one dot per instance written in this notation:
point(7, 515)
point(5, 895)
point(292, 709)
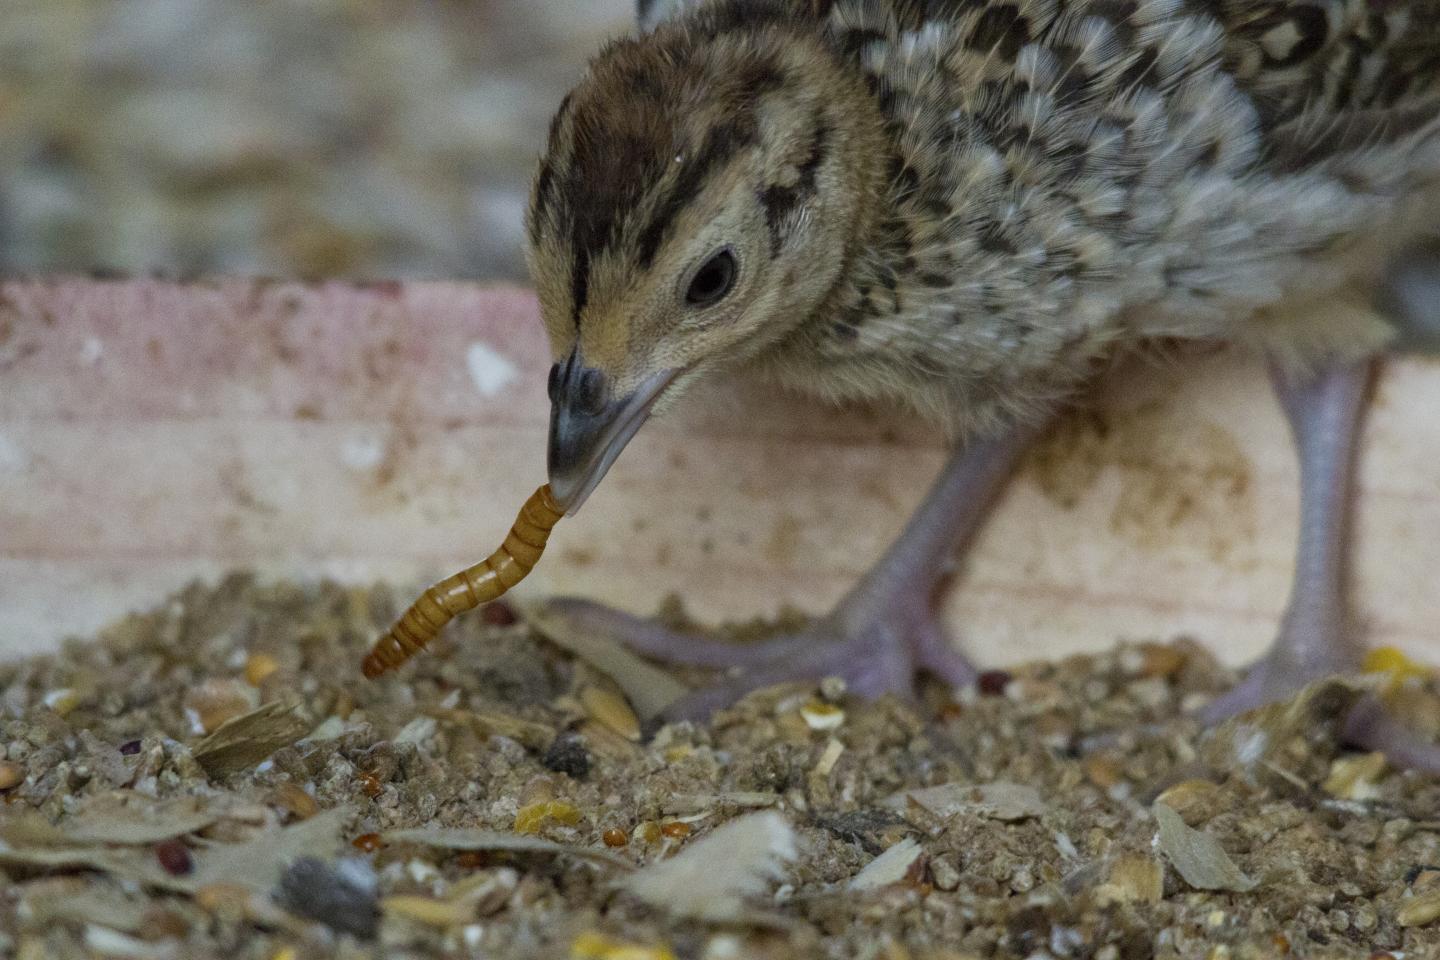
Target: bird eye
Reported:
point(713, 280)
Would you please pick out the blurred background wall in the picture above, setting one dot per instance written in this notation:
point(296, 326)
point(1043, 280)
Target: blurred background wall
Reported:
point(290, 138)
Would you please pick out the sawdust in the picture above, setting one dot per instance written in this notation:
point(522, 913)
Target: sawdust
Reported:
point(783, 544)
point(1180, 482)
point(481, 803)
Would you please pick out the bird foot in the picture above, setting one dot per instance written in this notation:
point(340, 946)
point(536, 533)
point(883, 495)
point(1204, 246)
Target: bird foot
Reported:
point(1369, 725)
point(875, 649)
point(1275, 678)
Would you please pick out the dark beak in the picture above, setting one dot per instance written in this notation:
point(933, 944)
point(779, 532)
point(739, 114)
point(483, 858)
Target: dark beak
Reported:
point(589, 427)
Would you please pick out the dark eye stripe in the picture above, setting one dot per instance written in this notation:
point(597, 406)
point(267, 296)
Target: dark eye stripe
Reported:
point(720, 145)
point(580, 281)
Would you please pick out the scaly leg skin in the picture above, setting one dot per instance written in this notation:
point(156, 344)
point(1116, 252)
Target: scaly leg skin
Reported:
point(1315, 640)
point(879, 636)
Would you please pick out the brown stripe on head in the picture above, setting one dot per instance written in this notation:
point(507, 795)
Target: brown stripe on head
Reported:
point(702, 191)
point(637, 140)
point(544, 188)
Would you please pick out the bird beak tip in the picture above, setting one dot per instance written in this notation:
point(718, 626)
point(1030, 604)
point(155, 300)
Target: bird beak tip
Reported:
point(587, 437)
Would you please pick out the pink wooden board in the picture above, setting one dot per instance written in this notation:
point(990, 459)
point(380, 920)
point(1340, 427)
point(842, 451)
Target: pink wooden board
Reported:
point(152, 432)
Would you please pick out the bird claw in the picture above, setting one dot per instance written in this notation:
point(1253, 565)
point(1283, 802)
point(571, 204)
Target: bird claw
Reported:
point(1273, 679)
point(1371, 726)
point(1368, 726)
point(874, 653)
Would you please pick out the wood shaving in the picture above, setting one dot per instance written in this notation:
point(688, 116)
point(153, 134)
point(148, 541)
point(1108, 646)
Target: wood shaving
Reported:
point(104, 906)
point(711, 878)
point(244, 741)
point(834, 749)
point(428, 910)
point(487, 723)
point(112, 943)
point(1007, 802)
point(1420, 910)
point(256, 864)
point(609, 709)
point(1197, 856)
point(458, 839)
point(259, 862)
point(683, 803)
point(888, 868)
point(122, 864)
point(128, 818)
point(648, 688)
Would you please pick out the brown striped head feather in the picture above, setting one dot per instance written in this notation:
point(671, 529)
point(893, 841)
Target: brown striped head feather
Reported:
point(701, 191)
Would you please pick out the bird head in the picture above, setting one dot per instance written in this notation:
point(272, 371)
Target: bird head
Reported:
point(700, 195)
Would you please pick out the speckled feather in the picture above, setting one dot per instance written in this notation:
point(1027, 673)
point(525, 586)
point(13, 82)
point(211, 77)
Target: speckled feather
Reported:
point(1051, 182)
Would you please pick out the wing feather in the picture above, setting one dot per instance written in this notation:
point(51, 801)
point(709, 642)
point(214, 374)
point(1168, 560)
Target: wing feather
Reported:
point(1336, 77)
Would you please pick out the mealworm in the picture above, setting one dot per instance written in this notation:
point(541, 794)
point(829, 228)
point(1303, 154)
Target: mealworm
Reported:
point(466, 590)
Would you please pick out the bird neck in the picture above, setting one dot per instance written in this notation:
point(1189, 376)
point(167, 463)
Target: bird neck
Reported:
point(874, 250)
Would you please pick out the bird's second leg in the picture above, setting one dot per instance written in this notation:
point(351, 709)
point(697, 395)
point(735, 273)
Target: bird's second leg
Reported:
point(1315, 638)
point(881, 633)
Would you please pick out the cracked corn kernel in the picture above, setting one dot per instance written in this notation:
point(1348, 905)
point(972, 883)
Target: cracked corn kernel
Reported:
point(223, 898)
point(1393, 661)
point(1354, 778)
point(1103, 770)
point(598, 946)
point(215, 701)
point(1195, 800)
point(367, 842)
point(258, 667)
point(534, 817)
point(432, 913)
point(610, 710)
point(61, 701)
point(293, 798)
point(370, 784)
point(819, 715)
point(11, 775)
point(1136, 878)
point(1160, 660)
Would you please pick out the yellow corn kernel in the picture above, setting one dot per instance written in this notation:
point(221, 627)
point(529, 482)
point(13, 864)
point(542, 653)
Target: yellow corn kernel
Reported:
point(597, 946)
point(534, 817)
point(1393, 661)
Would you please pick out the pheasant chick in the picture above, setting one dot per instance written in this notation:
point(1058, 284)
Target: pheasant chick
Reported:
point(966, 207)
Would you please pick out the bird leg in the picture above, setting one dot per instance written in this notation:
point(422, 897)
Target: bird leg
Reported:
point(1315, 638)
point(880, 634)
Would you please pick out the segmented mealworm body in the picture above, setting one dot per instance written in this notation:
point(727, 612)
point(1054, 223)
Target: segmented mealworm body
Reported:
point(466, 590)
